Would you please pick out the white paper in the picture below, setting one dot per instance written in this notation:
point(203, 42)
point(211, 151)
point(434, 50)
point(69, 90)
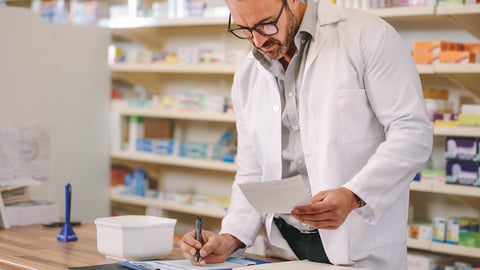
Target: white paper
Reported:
point(279, 196)
point(184, 264)
point(304, 265)
point(23, 154)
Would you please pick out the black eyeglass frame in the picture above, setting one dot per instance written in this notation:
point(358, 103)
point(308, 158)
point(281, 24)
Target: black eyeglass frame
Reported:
point(256, 26)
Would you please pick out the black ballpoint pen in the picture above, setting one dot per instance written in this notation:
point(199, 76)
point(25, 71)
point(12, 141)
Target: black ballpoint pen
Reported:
point(198, 236)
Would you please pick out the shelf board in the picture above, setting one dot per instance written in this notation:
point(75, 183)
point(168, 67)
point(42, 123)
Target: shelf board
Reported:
point(420, 186)
point(457, 68)
point(402, 12)
point(172, 206)
point(466, 16)
point(456, 131)
point(455, 250)
point(126, 23)
point(447, 189)
point(175, 161)
point(418, 244)
point(444, 248)
point(425, 69)
point(176, 114)
point(213, 68)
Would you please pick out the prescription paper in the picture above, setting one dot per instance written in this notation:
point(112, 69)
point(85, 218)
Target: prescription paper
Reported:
point(279, 196)
point(304, 265)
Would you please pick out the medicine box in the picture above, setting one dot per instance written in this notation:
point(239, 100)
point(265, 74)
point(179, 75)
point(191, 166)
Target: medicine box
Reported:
point(457, 57)
point(456, 226)
point(462, 172)
point(439, 229)
point(462, 148)
point(164, 147)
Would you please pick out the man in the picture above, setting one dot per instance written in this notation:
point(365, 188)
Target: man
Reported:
point(330, 95)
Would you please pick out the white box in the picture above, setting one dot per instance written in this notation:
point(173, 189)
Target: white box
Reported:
point(35, 212)
point(135, 237)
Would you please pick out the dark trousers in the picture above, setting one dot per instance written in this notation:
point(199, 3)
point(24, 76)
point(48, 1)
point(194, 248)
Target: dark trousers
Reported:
point(305, 245)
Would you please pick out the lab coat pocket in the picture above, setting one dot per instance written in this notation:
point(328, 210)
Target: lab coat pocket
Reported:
point(358, 122)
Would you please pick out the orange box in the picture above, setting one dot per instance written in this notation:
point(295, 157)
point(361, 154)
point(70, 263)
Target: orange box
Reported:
point(425, 57)
point(472, 47)
point(457, 57)
point(437, 46)
point(431, 46)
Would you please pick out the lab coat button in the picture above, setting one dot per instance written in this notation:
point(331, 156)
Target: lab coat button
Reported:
point(300, 161)
point(291, 94)
point(296, 127)
point(276, 108)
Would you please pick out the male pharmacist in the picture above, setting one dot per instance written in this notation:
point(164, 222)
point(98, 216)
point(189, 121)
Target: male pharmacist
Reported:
point(330, 95)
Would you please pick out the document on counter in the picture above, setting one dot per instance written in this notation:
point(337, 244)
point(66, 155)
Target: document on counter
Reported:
point(304, 265)
point(279, 196)
point(184, 264)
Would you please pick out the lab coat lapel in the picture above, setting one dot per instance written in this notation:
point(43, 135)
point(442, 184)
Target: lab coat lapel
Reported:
point(327, 13)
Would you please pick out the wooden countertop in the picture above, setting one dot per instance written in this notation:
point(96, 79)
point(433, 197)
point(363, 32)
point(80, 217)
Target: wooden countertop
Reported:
point(36, 247)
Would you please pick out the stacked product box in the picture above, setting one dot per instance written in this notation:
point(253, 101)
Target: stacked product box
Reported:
point(462, 156)
point(193, 150)
point(164, 147)
point(462, 231)
point(445, 52)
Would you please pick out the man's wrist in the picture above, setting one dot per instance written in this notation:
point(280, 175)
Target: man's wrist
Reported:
point(232, 243)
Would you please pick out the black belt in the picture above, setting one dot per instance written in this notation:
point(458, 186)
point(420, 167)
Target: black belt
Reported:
point(305, 245)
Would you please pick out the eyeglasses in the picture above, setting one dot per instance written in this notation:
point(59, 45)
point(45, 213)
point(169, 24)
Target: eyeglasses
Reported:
point(265, 29)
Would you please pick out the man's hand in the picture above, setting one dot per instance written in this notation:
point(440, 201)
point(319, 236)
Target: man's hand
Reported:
point(215, 250)
point(328, 209)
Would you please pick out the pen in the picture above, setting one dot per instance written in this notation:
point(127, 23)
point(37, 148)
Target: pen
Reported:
point(198, 236)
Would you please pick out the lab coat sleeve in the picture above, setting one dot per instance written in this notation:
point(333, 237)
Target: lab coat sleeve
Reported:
point(394, 92)
point(242, 220)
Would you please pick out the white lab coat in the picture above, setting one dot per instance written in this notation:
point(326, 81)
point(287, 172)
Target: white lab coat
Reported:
point(363, 127)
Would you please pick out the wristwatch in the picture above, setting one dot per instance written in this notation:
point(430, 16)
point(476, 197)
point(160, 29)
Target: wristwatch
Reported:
point(361, 203)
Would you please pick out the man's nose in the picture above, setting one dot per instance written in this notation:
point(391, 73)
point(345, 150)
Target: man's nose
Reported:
point(258, 39)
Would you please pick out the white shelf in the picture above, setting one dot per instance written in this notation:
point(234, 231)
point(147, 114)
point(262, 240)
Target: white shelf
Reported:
point(457, 68)
point(175, 161)
point(425, 69)
point(419, 186)
point(228, 69)
point(172, 206)
point(176, 114)
point(444, 248)
point(446, 189)
point(458, 9)
point(466, 16)
point(393, 12)
point(449, 68)
point(126, 23)
point(456, 131)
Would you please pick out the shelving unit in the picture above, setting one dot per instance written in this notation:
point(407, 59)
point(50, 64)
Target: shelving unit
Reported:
point(158, 78)
point(143, 30)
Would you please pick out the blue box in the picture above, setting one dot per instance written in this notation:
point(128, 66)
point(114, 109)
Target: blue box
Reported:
point(462, 172)
point(462, 148)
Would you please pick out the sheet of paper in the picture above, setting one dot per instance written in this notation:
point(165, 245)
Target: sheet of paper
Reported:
point(184, 264)
point(304, 265)
point(23, 154)
point(279, 196)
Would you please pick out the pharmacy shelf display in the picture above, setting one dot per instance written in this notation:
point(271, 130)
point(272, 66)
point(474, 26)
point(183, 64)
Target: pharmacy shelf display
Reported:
point(158, 36)
point(141, 31)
